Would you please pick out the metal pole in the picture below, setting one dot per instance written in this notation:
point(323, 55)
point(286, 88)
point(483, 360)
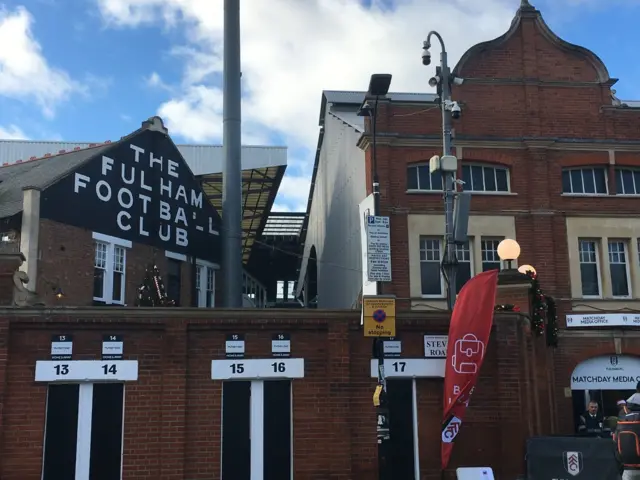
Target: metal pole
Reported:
point(382, 413)
point(232, 174)
point(449, 262)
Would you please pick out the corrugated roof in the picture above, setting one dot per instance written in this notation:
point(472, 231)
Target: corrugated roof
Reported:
point(39, 173)
point(202, 159)
point(336, 96)
point(284, 224)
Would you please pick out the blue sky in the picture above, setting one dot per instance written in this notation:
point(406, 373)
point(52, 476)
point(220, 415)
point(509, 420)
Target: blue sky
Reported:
point(92, 70)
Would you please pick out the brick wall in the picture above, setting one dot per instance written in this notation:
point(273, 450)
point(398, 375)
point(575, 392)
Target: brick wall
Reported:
point(67, 257)
point(518, 98)
point(172, 413)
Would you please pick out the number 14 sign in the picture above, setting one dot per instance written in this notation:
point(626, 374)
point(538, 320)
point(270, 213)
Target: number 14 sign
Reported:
point(86, 371)
point(257, 368)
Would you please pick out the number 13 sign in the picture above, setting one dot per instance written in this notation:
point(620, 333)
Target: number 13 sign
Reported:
point(86, 371)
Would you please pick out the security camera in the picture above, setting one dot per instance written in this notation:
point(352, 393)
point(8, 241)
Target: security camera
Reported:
point(434, 81)
point(458, 81)
point(455, 110)
point(426, 54)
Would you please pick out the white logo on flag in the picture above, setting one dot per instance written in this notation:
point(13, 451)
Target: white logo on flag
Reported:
point(451, 430)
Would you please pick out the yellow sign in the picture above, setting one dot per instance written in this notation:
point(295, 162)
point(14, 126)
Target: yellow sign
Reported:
point(376, 396)
point(379, 315)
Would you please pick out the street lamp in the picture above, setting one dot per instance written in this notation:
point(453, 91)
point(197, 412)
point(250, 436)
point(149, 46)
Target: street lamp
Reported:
point(443, 80)
point(508, 251)
point(526, 269)
point(378, 87)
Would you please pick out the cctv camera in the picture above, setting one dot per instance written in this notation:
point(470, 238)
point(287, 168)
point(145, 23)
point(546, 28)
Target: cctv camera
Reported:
point(434, 81)
point(455, 110)
point(458, 81)
point(426, 54)
point(426, 57)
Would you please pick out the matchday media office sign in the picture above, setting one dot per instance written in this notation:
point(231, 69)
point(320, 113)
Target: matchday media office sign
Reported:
point(603, 320)
point(140, 190)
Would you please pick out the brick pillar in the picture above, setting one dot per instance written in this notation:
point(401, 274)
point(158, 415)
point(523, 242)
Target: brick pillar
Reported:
point(339, 379)
point(4, 354)
point(515, 393)
point(174, 410)
point(526, 400)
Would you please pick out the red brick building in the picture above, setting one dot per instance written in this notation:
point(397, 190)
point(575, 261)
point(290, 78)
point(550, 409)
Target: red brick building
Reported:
point(138, 393)
point(91, 221)
point(552, 159)
point(194, 394)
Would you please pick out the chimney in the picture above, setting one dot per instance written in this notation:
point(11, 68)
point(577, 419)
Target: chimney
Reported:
point(30, 233)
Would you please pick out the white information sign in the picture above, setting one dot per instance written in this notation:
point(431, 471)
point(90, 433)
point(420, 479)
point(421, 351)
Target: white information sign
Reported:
point(257, 368)
point(378, 249)
point(410, 368)
point(86, 370)
point(474, 473)
point(607, 372)
point(392, 348)
point(603, 320)
point(435, 346)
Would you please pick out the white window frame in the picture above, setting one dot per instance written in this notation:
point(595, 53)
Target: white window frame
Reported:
point(619, 186)
point(596, 243)
point(472, 267)
point(175, 256)
point(416, 166)
point(443, 286)
point(83, 441)
point(489, 239)
point(582, 169)
point(625, 251)
point(280, 290)
point(495, 168)
point(107, 289)
point(202, 298)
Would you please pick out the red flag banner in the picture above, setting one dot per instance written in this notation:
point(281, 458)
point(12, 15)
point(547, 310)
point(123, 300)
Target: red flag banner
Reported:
point(469, 332)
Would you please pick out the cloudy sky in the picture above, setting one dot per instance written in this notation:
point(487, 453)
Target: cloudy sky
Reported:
point(92, 70)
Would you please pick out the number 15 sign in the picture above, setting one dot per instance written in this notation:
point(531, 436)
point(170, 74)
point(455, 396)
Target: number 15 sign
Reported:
point(257, 368)
point(86, 371)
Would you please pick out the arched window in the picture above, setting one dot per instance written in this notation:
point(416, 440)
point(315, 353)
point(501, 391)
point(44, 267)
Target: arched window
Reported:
point(419, 178)
point(627, 181)
point(590, 181)
point(485, 178)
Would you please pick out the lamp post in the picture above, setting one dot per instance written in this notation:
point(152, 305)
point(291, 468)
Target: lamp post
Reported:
point(526, 269)
point(443, 80)
point(378, 87)
point(509, 251)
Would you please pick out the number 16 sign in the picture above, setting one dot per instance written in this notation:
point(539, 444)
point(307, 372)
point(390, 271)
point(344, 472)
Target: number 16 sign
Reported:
point(257, 368)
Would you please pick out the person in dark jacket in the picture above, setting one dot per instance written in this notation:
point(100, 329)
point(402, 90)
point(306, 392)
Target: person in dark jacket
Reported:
point(627, 440)
point(591, 421)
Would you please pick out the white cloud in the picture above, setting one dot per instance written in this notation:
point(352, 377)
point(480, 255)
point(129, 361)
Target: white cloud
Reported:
point(12, 132)
point(294, 49)
point(24, 71)
point(293, 194)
